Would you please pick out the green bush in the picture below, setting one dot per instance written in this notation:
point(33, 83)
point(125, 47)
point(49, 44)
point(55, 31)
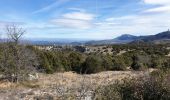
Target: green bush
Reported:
point(92, 64)
point(136, 65)
point(107, 62)
point(75, 61)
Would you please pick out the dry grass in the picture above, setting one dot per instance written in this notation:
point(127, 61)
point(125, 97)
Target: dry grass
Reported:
point(57, 85)
point(5, 84)
point(69, 78)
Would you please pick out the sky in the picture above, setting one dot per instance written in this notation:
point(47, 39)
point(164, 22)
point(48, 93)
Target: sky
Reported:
point(85, 19)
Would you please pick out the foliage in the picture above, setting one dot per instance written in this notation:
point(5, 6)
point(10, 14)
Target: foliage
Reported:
point(150, 88)
point(118, 63)
point(75, 60)
point(17, 62)
point(92, 64)
point(138, 57)
point(107, 62)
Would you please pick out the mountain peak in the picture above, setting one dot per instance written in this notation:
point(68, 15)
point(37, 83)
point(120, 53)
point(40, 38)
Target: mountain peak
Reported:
point(126, 37)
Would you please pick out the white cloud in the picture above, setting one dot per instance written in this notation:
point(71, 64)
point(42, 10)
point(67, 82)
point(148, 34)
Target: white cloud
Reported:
point(157, 2)
point(80, 20)
point(79, 16)
point(72, 23)
point(164, 6)
point(146, 22)
point(142, 24)
point(158, 9)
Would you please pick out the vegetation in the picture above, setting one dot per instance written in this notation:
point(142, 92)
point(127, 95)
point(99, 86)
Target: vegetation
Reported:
point(154, 87)
point(18, 61)
point(136, 57)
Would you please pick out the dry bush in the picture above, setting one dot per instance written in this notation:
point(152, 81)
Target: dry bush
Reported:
point(144, 88)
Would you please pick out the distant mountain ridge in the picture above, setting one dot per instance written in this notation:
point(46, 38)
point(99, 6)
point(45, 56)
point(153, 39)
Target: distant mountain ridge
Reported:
point(163, 37)
point(125, 38)
point(160, 38)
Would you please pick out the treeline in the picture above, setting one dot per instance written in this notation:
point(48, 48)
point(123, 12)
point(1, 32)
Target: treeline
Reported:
point(136, 57)
point(150, 49)
point(60, 61)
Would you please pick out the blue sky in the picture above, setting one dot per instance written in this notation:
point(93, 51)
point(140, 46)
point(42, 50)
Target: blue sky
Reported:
point(86, 19)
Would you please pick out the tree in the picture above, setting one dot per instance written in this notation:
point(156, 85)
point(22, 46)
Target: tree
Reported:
point(92, 64)
point(118, 63)
point(16, 61)
point(75, 60)
point(107, 62)
point(15, 33)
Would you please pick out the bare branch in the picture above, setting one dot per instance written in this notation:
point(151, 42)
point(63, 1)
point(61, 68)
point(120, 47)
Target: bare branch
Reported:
point(15, 32)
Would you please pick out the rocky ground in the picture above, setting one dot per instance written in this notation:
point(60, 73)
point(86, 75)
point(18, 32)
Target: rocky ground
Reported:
point(63, 86)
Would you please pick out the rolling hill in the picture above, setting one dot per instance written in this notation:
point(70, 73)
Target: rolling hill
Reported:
point(123, 39)
point(160, 38)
